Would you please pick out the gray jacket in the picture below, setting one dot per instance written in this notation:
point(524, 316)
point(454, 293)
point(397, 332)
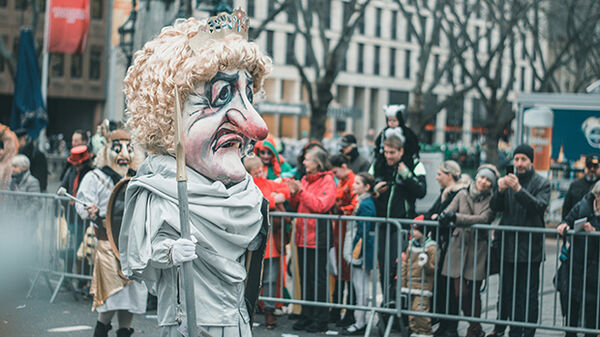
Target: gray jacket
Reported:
point(28, 183)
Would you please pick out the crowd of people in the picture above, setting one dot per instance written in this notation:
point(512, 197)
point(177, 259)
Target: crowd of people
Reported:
point(346, 183)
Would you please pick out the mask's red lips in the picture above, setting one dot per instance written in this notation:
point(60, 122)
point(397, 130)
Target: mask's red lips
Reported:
point(122, 162)
point(226, 138)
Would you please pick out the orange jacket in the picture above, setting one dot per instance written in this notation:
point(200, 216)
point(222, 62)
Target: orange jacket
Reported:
point(267, 187)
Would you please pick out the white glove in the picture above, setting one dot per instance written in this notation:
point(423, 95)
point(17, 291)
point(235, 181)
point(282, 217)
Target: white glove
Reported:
point(183, 250)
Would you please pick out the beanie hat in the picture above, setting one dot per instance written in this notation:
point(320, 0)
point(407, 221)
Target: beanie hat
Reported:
point(487, 173)
point(525, 150)
point(347, 140)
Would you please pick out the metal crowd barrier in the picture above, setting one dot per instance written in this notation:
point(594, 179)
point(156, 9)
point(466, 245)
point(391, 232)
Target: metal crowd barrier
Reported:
point(448, 295)
point(52, 240)
point(45, 234)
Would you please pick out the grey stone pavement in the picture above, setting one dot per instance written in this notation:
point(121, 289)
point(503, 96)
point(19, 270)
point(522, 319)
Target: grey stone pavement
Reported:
point(70, 316)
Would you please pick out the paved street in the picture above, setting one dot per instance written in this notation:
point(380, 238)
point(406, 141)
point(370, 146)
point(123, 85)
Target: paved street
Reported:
point(72, 318)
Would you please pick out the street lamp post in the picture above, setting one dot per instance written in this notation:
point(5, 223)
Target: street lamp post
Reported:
point(126, 32)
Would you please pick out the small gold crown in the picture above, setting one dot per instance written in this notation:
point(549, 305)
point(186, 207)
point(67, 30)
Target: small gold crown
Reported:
point(217, 27)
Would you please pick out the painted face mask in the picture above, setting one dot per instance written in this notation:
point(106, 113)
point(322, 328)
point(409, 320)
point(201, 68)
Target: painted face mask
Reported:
point(121, 155)
point(220, 126)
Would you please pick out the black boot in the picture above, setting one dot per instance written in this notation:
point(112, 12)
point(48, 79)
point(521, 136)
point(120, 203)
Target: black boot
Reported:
point(124, 332)
point(102, 329)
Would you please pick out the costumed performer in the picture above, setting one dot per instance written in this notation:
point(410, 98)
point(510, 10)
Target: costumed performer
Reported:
point(217, 72)
point(113, 293)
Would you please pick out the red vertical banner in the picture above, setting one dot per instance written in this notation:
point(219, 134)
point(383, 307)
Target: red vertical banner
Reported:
point(68, 26)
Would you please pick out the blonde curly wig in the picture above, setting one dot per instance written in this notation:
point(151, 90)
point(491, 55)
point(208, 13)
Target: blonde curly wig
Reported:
point(167, 62)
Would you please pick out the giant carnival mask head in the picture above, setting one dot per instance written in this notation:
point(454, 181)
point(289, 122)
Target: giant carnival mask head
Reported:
point(118, 153)
point(218, 73)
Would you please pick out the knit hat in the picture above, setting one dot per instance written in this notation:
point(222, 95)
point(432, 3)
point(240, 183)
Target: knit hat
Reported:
point(525, 150)
point(347, 140)
point(395, 110)
point(487, 173)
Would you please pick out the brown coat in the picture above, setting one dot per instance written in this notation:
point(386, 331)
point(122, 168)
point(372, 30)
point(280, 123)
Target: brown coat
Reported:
point(467, 244)
point(418, 273)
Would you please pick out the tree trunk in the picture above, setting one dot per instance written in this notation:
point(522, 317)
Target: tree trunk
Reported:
point(318, 122)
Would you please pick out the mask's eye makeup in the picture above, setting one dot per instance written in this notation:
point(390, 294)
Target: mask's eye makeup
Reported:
point(116, 147)
point(223, 93)
point(249, 93)
point(130, 148)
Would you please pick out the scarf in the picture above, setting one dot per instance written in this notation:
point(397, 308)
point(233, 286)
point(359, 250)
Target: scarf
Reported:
point(223, 220)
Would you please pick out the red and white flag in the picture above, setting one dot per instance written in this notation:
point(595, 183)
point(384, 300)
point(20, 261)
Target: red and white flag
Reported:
point(68, 26)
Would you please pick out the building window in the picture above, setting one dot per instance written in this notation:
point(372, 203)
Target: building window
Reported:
point(523, 48)
point(393, 62)
point(270, 7)
point(76, 65)
point(96, 8)
point(477, 31)
point(436, 65)
point(532, 81)
point(57, 65)
point(270, 38)
point(407, 64)
point(290, 49)
point(394, 25)
point(95, 62)
point(450, 77)
point(2, 3)
point(376, 67)
point(5, 39)
point(327, 14)
point(21, 4)
point(522, 79)
point(347, 12)
point(361, 55)
point(361, 25)
point(378, 22)
point(250, 8)
point(408, 33)
point(292, 16)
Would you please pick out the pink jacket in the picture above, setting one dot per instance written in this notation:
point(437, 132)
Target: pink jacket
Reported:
point(316, 196)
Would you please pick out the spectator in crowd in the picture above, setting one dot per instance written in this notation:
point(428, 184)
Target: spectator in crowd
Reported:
point(80, 164)
point(8, 149)
point(580, 187)
point(418, 273)
point(522, 198)
point(314, 194)
point(398, 187)
point(300, 169)
point(39, 164)
point(277, 193)
point(466, 260)
point(345, 202)
point(583, 259)
point(394, 119)
point(22, 180)
point(359, 248)
point(451, 182)
point(349, 148)
point(274, 164)
point(78, 138)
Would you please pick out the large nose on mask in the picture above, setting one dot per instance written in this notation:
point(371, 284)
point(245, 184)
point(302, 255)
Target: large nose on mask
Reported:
point(249, 123)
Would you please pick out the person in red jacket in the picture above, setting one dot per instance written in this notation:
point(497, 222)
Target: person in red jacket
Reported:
point(345, 202)
point(276, 193)
point(314, 194)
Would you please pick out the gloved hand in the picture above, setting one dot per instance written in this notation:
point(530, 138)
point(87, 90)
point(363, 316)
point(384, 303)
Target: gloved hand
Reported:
point(446, 218)
point(183, 250)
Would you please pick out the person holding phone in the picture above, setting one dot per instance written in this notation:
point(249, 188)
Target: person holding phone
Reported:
point(583, 253)
point(522, 197)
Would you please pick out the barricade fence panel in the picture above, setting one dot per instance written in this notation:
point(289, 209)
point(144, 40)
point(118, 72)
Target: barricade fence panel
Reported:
point(501, 275)
point(507, 276)
point(48, 237)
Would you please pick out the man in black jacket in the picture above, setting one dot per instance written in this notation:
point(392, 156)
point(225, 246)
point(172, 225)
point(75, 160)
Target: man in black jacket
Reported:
point(580, 187)
point(522, 198)
point(399, 186)
point(39, 164)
